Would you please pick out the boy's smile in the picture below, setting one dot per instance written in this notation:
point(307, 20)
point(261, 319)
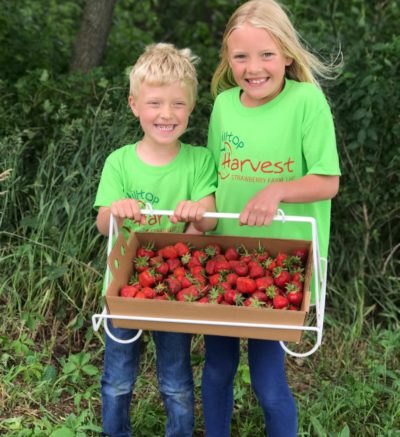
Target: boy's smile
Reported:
point(163, 111)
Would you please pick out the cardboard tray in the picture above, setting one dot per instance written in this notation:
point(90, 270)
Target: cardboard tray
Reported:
point(174, 313)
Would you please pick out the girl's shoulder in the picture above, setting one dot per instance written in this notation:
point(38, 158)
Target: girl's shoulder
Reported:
point(306, 94)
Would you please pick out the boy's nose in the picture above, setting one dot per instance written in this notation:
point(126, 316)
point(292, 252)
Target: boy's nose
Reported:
point(166, 112)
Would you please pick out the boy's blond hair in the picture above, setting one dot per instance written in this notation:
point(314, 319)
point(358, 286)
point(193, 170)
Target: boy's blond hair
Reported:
point(164, 64)
point(269, 15)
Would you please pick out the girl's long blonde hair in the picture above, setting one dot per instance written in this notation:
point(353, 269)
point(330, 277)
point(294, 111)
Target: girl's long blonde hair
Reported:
point(269, 15)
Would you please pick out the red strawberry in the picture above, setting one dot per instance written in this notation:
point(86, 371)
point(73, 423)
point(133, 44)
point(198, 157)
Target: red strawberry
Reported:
point(203, 299)
point(141, 263)
point(186, 281)
point(281, 277)
point(147, 250)
point(140, 295)
point(212, 249)
point(231, 296)
point(197, 270)
point(200, 255)
point(210, 266)
point(302, 254)
point(173, 264)
point(231, 254)
point(280, 302)
point(215, 279)
point(256, 271)
point(246, 258)
point(216, 295)
point(241, 269)
point(155, 261)
point(173, 285)
point(259, 295)
point(280, 259)
point(149, 293)
point(231, 279)
point(162, 268)
point(222, 266)
point(246, 284)
point(181, 248)
point(292, 308)
point(146, 278)
point(179, 271)
point(129, 290)
point(270, 264)
point(264, 282)
point(169, 252)
point(188, 294)
point(162, 296)
point(254, 303)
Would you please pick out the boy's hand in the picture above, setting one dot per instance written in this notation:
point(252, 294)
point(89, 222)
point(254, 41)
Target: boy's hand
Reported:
point(261, 209)
point(188, 211)
point(127, 208)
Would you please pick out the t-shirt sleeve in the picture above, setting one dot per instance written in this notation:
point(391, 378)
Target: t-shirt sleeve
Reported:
point(111, 185)
point(319, 143)
point(205, 182)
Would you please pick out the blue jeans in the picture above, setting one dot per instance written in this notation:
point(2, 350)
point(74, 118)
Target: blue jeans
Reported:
point(175, 379)
point(268, 380)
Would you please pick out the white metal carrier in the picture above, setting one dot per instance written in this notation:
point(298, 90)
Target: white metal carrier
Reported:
point(319, 273)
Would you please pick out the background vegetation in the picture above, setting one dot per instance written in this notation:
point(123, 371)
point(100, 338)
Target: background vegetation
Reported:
point(56, 130)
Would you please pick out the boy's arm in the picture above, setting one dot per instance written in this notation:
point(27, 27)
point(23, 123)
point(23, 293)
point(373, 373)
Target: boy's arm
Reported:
point(261, 208)
point(121, 209)
point(192, 213)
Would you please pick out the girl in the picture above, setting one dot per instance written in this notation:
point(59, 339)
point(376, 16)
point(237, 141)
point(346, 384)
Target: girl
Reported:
point(272, 137)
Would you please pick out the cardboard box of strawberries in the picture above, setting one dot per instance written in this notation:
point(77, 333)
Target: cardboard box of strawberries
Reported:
point(207, 284)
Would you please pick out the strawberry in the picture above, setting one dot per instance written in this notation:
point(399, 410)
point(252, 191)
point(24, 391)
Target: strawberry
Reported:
point(188, 294)
point(210, 266)
point(169, 252)
point(173, 284)
point(162, 296)
point(179, 271)
point(186, 281)
point(259, 295)
point(261, 254)
point(222, 265)
point(231, 279)
point(216, 295)
point(173, 264)
point(280, 259)
point(129, 290)
point(246, 284)
point(254, 303)
point(294, 294)
point(200, 255)
point(241, 269)
point(141, 263)
point(140, 295)
point(270, 264)
point(155, 261)
point(212, 249)
point(231, 296)
point(215, 279)
point(302, 254)
point(231, 254)
point(264, 282)
point(146, 278)
point(147, 250)
point(280, 302)
point(281, 277)
point(182, 248)
point(197, 270)
point(162, 268)
point(292, 308)
point(256, 271)
point(204, 299)
point(149, 293)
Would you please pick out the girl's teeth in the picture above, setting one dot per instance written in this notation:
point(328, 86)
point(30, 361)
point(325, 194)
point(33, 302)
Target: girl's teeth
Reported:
point(256, 81)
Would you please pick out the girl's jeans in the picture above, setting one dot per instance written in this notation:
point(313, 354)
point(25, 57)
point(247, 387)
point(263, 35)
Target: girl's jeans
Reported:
point(174, 373)
point(268, 379)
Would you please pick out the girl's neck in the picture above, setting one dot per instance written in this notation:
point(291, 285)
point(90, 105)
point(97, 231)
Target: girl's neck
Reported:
point(157, 155)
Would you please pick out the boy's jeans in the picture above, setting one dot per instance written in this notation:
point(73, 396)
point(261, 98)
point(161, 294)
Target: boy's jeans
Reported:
point(174, 373)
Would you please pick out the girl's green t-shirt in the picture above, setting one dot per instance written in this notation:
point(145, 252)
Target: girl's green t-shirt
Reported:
point(289, 137)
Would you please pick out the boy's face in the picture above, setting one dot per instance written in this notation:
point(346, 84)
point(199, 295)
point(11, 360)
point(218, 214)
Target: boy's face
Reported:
point(163, 112)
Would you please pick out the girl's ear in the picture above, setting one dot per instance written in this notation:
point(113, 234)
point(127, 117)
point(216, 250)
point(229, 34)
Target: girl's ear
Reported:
point(289, 62)
point(132, 105)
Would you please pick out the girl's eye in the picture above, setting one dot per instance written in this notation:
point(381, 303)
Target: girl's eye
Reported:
point(267, 55)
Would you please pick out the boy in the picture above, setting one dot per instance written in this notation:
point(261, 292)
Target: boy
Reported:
point(163, 172)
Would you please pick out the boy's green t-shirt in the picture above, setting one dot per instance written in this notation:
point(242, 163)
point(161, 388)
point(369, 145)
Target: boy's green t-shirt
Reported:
point(190, 176)
point(282, 140)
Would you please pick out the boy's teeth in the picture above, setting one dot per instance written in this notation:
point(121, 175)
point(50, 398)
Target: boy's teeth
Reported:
point(166, 127)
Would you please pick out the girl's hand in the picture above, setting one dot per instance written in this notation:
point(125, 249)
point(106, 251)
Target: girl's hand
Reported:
point(188, 211)
point(127, 208)
point(261, 209)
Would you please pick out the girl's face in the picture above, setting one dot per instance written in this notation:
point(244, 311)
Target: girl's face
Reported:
point(258, 64)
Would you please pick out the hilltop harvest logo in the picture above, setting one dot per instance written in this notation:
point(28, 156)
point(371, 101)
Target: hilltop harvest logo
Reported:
point(233, 167)
point(143, 198)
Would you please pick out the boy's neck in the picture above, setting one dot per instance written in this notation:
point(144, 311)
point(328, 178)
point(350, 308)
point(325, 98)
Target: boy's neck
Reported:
point(157, 155)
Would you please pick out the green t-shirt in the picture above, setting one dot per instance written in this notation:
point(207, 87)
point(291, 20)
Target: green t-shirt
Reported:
point(282, 140)
point(190, 176)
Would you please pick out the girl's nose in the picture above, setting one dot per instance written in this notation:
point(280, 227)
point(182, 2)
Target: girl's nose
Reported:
point(254, 65)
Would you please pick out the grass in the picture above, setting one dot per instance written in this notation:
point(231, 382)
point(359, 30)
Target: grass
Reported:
point(348, 387)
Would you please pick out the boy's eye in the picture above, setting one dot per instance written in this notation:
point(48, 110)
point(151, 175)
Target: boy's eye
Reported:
point(153, 103)
point(239, 56)
point(180, 104)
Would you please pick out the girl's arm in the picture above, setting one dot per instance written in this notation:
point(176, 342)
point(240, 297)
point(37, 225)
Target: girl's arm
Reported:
point(261, 208)
point(192, 213)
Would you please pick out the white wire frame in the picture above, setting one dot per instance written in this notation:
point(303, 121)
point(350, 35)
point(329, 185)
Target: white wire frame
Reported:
point(320, 275)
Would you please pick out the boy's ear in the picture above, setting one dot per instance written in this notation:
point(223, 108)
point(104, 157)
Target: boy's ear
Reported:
point(132, 104)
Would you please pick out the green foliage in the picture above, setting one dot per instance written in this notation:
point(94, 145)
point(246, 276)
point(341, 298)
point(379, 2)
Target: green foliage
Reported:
point(56, 131)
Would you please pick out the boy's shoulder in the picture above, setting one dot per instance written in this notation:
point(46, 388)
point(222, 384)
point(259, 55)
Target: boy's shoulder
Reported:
point(121, 151)
point(195, 152)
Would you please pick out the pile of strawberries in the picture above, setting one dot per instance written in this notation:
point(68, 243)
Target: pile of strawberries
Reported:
point(235, 276)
